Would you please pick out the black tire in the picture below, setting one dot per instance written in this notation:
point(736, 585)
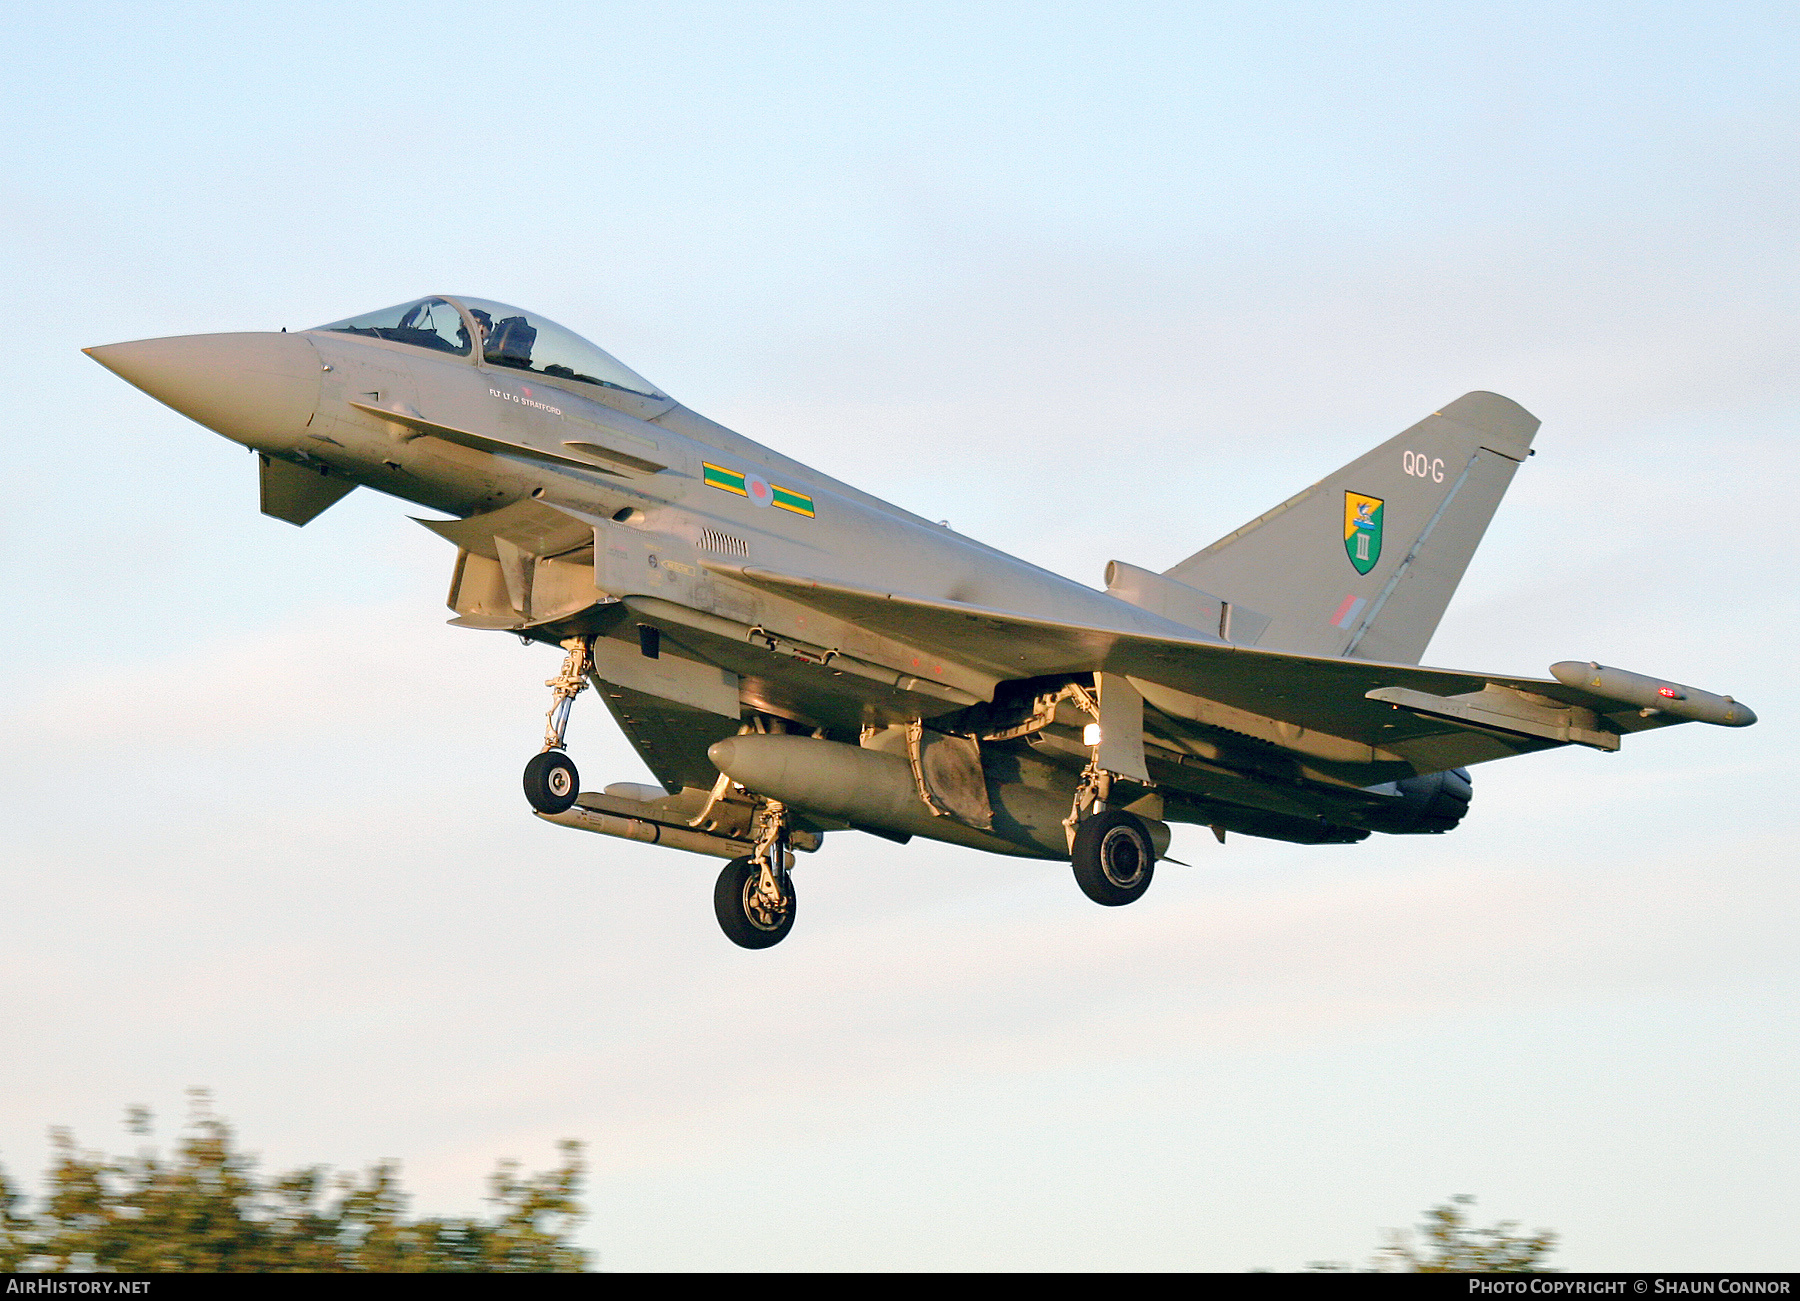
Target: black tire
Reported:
point(551, 782)
point(744, 923)
point(1113, 858)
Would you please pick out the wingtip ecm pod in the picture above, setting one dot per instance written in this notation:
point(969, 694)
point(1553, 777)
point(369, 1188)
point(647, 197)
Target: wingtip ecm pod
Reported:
point(1647, 693)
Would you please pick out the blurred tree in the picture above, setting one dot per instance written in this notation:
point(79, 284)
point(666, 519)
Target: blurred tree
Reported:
point(15, 1228)
point(1451, 1245)
point(207, 1212)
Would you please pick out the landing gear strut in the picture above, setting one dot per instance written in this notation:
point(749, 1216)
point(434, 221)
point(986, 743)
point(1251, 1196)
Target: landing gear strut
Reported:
point(551, 782)
point(754, 898)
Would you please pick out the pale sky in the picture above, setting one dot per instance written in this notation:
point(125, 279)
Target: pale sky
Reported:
point(1091, 282)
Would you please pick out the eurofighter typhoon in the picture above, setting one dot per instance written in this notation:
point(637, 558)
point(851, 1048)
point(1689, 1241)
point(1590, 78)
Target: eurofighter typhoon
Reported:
point(793, 657)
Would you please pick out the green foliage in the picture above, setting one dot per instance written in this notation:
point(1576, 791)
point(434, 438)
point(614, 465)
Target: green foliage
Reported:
point(207, 1212)
point(1449, 1244)
point(15, 1228)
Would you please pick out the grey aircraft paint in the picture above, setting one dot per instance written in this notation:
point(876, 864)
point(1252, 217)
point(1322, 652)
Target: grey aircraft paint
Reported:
point(793, 657)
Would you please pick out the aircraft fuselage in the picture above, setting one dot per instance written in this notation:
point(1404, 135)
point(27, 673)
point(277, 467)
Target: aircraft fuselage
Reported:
point(792, 656)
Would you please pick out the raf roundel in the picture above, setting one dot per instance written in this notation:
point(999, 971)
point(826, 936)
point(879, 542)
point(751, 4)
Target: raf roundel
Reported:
point(758, 491)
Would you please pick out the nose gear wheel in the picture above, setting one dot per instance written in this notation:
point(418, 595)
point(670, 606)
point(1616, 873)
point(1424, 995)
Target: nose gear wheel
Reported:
point(551, 782)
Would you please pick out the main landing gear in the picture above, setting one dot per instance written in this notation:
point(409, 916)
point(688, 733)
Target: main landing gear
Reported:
point(551, 782)
point(754, 898)
point(1113, 858)
point(1110, 849)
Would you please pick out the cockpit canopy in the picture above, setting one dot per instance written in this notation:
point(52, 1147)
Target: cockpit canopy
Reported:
point(428, 323)
point(510, 337)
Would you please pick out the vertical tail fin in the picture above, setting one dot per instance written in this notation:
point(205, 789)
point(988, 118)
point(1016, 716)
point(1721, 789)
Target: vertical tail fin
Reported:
point(1363, 562)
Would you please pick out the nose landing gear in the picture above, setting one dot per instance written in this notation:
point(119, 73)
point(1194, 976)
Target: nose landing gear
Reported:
point(551, 782)
point(754, 898)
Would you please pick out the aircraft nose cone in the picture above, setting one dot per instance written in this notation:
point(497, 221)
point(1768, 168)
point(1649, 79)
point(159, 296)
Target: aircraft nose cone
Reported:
point(259, 389)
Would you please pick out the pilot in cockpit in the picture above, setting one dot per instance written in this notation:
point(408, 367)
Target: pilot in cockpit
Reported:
point(509, 342)
point(507, 336)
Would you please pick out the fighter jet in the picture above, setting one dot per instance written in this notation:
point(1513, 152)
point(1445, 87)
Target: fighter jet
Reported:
point(793, 657)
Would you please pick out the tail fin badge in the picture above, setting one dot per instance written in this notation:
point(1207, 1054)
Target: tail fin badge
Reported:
point(1362, 530)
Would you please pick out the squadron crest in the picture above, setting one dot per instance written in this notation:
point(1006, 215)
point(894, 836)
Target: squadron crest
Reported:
point(1362, 530)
